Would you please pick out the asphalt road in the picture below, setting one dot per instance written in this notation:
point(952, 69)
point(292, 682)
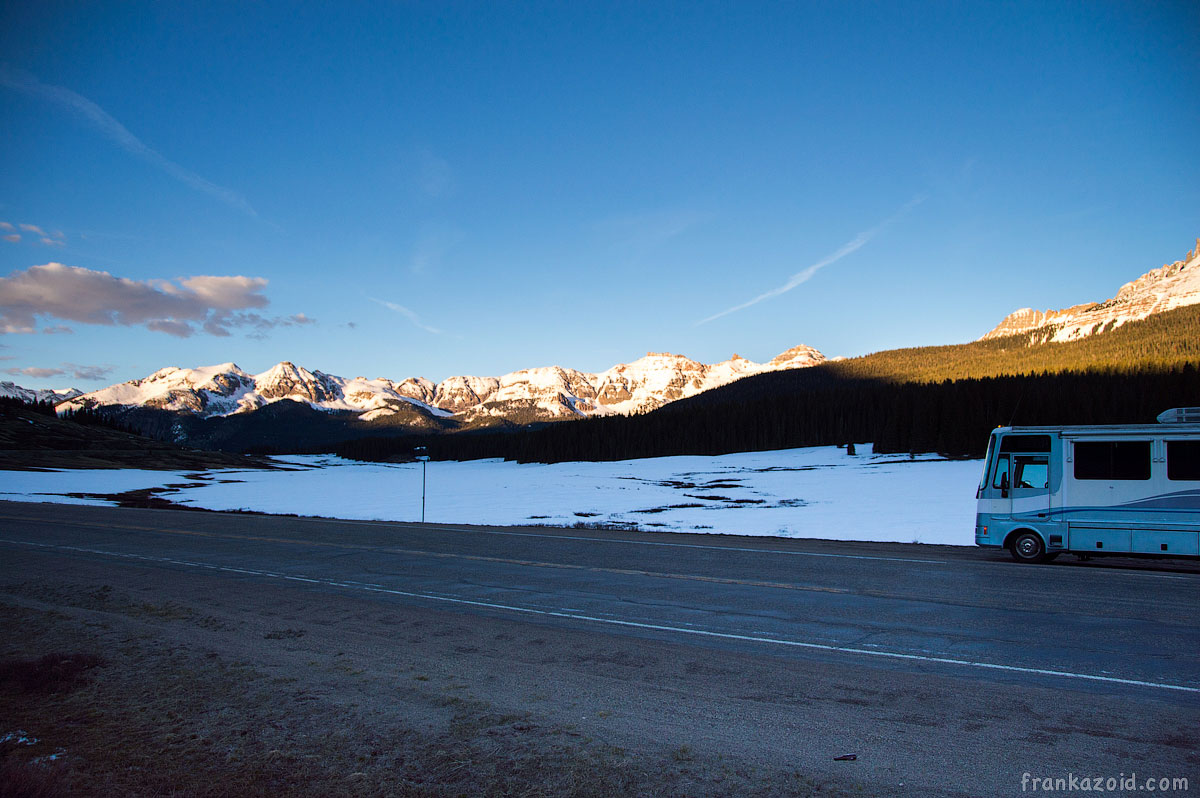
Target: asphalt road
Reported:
point(944, 670)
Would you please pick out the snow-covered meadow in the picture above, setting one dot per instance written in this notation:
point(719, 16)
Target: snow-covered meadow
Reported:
point(804, 493)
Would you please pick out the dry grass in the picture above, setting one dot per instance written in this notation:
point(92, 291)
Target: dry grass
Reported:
point(159, 717)
point(51, 673)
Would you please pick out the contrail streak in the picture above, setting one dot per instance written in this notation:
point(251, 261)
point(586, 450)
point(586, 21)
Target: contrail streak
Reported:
point(408, 314)
point(103, 122)
point(805, 275)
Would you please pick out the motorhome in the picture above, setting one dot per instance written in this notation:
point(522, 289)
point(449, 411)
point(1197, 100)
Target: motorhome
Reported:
point(1091, 490)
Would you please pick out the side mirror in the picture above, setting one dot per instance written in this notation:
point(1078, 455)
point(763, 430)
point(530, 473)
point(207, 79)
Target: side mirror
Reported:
point(1004, 485)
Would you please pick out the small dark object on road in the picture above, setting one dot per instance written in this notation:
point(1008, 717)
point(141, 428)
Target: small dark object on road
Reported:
point(845, 758)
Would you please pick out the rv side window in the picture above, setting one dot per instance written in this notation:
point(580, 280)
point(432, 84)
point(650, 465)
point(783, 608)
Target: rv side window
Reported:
point(1001, 479)
point(1031, 472)
point(1112, 460)
point(1183, 460)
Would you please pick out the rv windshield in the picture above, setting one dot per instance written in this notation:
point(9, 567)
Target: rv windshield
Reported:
point(987, 464)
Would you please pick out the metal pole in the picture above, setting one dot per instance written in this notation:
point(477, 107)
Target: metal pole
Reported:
point(420, 454)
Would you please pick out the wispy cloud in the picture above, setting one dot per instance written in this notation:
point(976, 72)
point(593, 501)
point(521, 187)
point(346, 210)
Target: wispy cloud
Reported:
point(74, 370)
point(89, 372)
point(261, 325)
point(433, 244)
point(434, 175)
point(803, 276)
point(56, 239)
point(179, 307)
point(36, 372)
point(408, 314)
point(101, 121)
point(638, 235)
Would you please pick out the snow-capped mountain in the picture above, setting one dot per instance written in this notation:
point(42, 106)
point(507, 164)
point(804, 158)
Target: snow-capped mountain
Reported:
point(55, 395)
point(541, 393)
point(225, 390)
point(1171, 286)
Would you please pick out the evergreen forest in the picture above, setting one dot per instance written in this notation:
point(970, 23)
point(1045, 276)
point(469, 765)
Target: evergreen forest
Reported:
point(941, 399)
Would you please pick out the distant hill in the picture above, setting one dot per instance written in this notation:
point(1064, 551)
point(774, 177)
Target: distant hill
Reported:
point(33, 437)
point(1163, 340)
point(1157, 291)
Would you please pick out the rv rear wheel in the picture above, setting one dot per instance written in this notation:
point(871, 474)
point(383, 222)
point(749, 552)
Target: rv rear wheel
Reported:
point(1028, 547)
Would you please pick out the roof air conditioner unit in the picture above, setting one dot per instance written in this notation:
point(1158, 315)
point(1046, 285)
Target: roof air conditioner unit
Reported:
point(1180, 415)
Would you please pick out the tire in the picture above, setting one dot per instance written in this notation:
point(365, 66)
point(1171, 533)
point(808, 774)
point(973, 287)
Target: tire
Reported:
point(1027, 547)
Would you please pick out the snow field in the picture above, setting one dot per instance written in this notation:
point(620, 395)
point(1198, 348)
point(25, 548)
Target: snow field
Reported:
point(802, 493)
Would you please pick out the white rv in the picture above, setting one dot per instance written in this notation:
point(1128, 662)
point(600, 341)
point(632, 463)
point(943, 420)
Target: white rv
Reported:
point(1121, 489)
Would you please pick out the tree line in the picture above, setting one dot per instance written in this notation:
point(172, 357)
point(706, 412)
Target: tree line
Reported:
point(32, 405)
point(86, 416)
point(820, 407)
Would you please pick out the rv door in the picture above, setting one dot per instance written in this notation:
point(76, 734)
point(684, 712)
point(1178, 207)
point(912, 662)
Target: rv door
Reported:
point(1030, 487)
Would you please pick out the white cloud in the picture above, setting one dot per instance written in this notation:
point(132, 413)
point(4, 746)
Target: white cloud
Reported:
point(77, 294)
point(100, 120)
point(55, 239)
point(34, 371)
point(226, 293)
point(806, 274)
point(408, 314)
point(75, 370)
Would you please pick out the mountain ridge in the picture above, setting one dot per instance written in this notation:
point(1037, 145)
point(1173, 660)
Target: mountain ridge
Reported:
point(53, 395)
point(543, 393)
point(1170, 286)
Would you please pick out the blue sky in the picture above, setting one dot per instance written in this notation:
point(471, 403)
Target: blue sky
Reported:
point(430, 189)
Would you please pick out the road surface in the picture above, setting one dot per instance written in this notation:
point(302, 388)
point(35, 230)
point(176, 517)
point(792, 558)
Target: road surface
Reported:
point(943, 670)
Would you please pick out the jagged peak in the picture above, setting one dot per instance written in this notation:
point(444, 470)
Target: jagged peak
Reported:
point(285, 368)
point(1173, 285)
point(802, 353)
point(651, 381)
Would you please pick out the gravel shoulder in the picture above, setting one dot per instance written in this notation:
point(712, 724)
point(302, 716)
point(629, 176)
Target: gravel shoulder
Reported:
point(191, 694)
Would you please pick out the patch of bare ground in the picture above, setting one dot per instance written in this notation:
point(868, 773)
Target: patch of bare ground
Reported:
point(150, 458)
point(104, 693)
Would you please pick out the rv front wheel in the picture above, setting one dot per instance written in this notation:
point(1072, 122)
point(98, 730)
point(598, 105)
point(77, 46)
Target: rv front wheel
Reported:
point(1028, 547)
